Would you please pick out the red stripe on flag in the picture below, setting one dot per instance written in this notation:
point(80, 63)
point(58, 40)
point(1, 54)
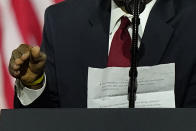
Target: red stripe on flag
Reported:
point(27, 20)
point(7, 86)
point(57, 1)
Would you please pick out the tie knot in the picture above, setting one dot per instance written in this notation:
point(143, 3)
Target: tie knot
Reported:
point(125, 22)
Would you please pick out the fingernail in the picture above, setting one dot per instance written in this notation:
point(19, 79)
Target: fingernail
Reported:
point(36, 47)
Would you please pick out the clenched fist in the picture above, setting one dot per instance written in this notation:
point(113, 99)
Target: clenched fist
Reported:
point(27, 64)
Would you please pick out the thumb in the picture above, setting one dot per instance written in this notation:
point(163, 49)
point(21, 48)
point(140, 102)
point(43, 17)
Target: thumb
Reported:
point(35, 54)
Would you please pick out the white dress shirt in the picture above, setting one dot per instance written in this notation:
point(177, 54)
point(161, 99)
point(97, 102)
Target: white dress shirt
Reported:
point(27, 96)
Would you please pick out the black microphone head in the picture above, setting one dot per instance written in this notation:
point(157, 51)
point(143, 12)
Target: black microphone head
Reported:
point(129, 6)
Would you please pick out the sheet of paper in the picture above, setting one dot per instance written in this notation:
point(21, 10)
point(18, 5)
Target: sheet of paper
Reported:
point(108, 87)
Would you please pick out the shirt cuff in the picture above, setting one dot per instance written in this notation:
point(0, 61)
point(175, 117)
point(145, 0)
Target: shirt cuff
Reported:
point(26, 95)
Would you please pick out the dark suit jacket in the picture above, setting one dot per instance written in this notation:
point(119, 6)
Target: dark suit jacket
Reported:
point(76, 35)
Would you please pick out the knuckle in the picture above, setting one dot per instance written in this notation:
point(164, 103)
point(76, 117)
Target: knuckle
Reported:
point(14, 52)
point(23, 46)
point(11, 72)
point(12, 67)
point(11, 62)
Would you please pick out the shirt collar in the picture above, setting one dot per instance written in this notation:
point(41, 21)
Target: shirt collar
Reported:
point(117, 13)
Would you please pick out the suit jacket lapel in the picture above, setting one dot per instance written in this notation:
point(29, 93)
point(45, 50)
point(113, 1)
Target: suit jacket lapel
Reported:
point(96, 46)
point(157, 33)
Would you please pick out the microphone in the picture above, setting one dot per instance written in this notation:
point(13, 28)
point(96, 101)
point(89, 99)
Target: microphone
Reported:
point(130, 5)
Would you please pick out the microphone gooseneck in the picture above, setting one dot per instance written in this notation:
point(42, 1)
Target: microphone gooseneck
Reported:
point(134, 7)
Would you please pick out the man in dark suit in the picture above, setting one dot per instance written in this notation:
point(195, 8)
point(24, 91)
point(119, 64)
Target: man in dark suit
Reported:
point(75, 37)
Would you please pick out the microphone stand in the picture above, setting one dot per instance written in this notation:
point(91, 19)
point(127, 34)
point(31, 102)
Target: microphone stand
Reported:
point(134, 7)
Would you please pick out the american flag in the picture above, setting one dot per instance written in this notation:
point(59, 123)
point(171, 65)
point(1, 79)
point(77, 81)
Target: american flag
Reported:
point(21, 21)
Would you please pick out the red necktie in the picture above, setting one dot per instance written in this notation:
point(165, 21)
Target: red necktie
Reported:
point(119, 55)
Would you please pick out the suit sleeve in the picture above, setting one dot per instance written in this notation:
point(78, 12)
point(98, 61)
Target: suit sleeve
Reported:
point(49, 98)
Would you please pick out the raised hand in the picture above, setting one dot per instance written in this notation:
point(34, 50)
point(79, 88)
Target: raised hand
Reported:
point(27, 64)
